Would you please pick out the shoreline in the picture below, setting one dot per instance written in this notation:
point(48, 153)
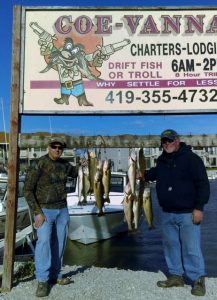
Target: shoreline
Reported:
point(108, 284)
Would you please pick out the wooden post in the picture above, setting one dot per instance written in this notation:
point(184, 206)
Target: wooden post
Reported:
point(13, 168)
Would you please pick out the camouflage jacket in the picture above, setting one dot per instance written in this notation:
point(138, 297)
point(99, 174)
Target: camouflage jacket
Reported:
point(45, 183)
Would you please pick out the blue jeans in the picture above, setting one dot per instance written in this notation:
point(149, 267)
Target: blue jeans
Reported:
point(182, 249)
point(50, 245)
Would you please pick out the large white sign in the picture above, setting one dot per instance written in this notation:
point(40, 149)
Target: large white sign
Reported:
point(118, 61)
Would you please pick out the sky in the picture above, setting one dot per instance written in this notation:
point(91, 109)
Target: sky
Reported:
point(93, 125)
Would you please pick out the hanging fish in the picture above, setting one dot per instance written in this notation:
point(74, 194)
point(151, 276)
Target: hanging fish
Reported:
point(128, 206)
point(86, 183)
point(141, 171)
point(98, 189)
point(136, 205)
point(141, 162)
point(132, 171)
point(92, 162)
point(80, 184)
point(83, 181)
point(106, 179)
point(147, 206)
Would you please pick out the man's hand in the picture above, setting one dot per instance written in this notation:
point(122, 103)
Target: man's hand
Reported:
point(197, 216)
point(39, 220)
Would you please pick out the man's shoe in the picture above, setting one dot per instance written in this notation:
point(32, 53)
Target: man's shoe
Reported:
point(64, 281)
point(42, 289)
point(172, 281)
point(61, 281)
point(199, 288)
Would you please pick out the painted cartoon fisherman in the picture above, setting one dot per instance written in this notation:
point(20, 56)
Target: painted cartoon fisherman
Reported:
point(72, 63)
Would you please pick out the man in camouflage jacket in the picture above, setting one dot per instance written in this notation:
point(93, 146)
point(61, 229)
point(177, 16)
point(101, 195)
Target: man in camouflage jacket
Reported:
point(45, 192)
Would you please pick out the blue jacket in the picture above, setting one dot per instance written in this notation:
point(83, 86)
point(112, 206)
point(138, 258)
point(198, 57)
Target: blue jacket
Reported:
point(181, 181)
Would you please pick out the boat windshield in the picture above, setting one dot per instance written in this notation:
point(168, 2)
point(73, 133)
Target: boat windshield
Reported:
point(117, 184)
point(3, 186)
point(71, 185)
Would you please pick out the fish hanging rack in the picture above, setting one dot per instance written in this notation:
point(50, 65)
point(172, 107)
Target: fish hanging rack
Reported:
point(119, 141)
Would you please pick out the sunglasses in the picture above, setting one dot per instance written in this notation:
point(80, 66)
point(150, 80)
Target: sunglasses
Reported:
point(56, 147)
point(165, 141)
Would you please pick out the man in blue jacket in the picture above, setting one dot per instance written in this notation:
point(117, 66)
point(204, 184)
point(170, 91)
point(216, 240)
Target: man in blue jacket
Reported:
point(183, 189)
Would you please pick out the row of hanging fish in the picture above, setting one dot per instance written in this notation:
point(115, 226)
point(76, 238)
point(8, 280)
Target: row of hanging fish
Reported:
point(94, 178)
point(137, 196)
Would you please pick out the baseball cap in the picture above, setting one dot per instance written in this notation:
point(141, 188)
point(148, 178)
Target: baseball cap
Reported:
point(169, 134)
point(58, 140)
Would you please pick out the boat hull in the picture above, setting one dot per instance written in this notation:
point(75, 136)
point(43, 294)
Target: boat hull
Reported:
point(23, 213)
point(87, 227)
point(23, 220)
point(22, 236)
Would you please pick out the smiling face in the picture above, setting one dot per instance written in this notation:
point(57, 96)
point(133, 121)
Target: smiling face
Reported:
point(55, 150)
point(169, 145)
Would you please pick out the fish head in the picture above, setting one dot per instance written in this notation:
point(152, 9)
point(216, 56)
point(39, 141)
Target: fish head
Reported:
point(107, 164)
point(98, 175)
point(92, 154)
point(133, 155)
point(85, 170)
point(147, 193)
point(99, 165)
point(131, 161)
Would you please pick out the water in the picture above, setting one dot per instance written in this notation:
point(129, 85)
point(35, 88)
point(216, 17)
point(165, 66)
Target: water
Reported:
point(143, 250)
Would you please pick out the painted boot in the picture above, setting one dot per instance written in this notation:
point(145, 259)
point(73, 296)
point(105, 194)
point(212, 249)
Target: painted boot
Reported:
point(82, 100)
point(63, 100)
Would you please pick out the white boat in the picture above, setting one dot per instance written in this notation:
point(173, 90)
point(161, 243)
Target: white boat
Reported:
point(23, 214)
point(85, 225)
point(212, 174)
point(26, 235)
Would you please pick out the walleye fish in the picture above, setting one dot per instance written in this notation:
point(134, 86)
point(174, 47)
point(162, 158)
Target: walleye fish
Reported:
point(137, 205)
point(136, 213)
point(92, 162)
point(106, 179)
point(141, 168)
point(147, 206)
point(80, 184)
point(128, 206)
point(83, 181)
point(132, 172)
point(86, 183)
point(128, 211)
point(141, 162)
point(98, 189)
